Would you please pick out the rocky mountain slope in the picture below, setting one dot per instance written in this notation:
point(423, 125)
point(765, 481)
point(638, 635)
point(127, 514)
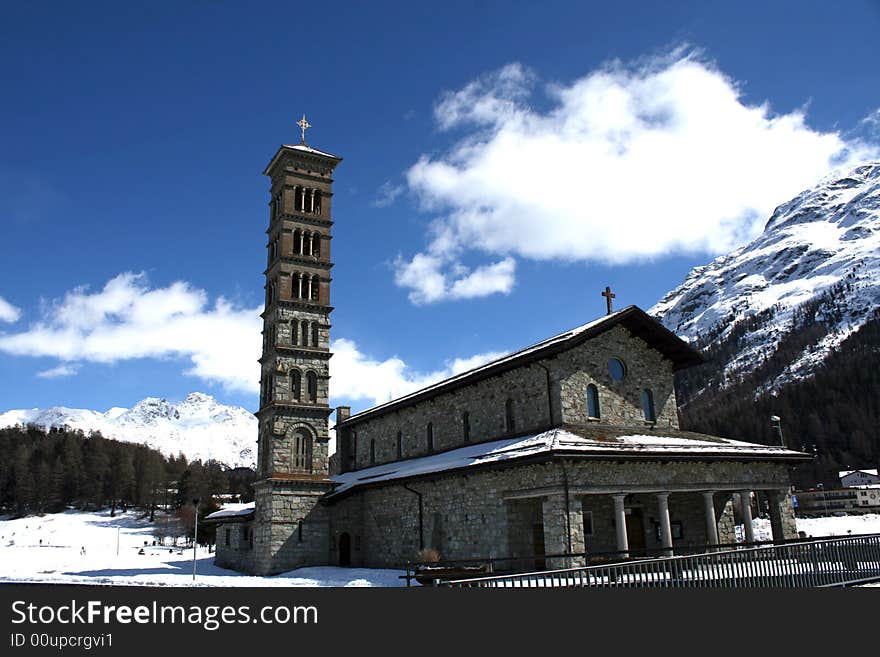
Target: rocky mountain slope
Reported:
point(199, 426)
point(801, 287)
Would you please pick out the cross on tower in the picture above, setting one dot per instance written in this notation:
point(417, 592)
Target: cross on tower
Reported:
point(305, 125)
point(608, 297)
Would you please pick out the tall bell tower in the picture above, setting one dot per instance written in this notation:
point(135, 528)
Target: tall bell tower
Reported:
point(290, 528)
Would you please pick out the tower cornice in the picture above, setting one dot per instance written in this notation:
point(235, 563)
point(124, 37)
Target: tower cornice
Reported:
point(301, 153)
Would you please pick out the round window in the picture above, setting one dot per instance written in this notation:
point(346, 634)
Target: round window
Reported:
point(616, 369)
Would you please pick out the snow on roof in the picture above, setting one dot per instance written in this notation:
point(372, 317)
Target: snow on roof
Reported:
point(871, 471)
point(232, 511)
point(589, 441)
point(308, 149)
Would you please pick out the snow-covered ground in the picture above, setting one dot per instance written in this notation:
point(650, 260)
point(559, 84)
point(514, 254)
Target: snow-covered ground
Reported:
point(49, 549)
point(830, 526)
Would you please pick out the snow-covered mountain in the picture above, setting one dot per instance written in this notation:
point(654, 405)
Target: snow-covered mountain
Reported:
point(199, 426)
point(816, 262)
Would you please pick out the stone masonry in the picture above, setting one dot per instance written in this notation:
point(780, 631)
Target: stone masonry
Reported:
point(485, 402)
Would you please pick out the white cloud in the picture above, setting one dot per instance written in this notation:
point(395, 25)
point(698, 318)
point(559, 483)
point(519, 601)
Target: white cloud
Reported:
point(626, 164)
point(387, 194)
point(128, 319)
point(8, 313)
point(485, 280)
point(357, 376)
point(59, 372)
point(428, 282)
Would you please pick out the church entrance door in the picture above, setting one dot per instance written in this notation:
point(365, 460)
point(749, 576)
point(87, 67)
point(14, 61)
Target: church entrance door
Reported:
point(344, 549)
point(635, 532)
point(538, 545)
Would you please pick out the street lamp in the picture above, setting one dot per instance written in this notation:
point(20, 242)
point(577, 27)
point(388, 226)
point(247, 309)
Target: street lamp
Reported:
point(821, 487)
point(195, 536)
point(777, 422)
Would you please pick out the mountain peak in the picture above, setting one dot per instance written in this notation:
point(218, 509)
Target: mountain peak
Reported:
point(199, 426)
point(834, 193)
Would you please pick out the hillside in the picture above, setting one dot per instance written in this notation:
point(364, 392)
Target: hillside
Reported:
point(815, 266)
point(790, 325)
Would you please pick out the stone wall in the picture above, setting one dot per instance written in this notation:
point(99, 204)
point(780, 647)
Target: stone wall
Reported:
point(291, 526)
point(234, 548)
point(620, 403)
point(485, 401)
point(493, 512)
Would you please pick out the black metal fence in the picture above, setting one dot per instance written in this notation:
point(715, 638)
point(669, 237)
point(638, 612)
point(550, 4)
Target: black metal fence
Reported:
point(802, 564)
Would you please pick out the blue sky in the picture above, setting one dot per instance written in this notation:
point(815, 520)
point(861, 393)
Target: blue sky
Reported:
point(503, 162)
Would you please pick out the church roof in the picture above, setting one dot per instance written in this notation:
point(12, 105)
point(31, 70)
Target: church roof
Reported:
point(238, 511)
point(633, 318)
point(592, 441)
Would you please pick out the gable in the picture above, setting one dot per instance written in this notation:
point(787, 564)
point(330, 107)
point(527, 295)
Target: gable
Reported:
point(635, 320)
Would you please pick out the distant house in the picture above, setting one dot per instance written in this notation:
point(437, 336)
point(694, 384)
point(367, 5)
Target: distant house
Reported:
point(853, 478)
point(852, 499)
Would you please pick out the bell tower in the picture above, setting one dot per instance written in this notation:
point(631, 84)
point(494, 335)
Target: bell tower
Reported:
point(290, 528)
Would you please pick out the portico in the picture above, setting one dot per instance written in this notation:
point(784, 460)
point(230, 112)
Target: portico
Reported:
point(643, 520)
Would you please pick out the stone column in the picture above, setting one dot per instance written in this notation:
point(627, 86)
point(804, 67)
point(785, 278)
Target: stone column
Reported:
point(745, 499)
point(711, 523)
point(782, 519)
point(563, 530)
point(620, 524)
point(665, 525)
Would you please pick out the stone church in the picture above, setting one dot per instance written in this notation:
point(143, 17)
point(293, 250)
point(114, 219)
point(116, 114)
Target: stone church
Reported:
point(568, 447)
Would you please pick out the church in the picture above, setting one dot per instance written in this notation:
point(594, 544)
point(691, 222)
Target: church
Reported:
point(566, 448)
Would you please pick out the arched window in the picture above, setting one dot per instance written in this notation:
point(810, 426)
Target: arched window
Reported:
point(509, 420)
point(312, 381)
point(593, 401)
point(302, 450)
point(298, 198)
point(316, 245)
point(293, 331)
point(294, 286)
point(430, 436)
point(297, 241)
point(466, 426)
point(315, 282)
point(317, 202)
point(372, 451)
point(400, 444)
point(648, 405)
point(314, 334)
point(304, 333)
point(295, 384)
